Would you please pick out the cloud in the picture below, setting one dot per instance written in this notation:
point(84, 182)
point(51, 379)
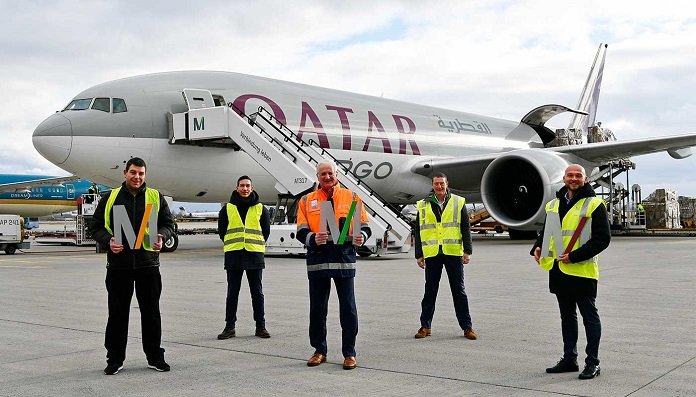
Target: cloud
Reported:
point(498, 58)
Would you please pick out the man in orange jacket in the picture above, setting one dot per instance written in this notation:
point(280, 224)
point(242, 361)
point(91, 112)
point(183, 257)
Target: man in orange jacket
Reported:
point(330, 258)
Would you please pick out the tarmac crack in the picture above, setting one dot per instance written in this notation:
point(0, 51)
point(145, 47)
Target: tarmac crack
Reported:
point(662, 376)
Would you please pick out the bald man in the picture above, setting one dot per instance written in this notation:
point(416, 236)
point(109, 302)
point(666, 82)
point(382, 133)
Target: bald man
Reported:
point(575, 232)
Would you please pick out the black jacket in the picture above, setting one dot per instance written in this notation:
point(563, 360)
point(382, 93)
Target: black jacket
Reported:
point(243, 259)
point(135, 207)
point(561, 283)
point(464, 227)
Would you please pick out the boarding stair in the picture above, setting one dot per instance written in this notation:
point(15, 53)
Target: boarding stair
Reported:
point(291, 161)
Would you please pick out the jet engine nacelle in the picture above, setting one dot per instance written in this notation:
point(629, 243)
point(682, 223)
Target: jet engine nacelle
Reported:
point(516, 186)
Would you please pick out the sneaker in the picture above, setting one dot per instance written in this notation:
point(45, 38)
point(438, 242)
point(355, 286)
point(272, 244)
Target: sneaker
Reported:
point(590, 371)
point(261, 332)
point(227, 333)
point(159, 365)
point(470, 334)
point(112, 369)
point(564, 365)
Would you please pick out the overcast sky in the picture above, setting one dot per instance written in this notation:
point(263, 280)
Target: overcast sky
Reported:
point(497, 58)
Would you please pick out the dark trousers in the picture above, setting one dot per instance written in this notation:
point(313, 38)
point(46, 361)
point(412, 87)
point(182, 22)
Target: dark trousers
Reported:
point(148, 288)
point(319, 290)
point(569, 326)
point(234, 283)
point(455, 274)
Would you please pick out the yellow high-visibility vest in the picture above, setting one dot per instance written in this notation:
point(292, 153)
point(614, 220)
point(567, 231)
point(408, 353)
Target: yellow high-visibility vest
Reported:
point(247, 235)
point(151, 197)
point(554, 230)
point(446, 232)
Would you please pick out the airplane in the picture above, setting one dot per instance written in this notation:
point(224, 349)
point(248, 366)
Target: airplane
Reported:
point(33, 196)
point(393, 146)
point(197, 215)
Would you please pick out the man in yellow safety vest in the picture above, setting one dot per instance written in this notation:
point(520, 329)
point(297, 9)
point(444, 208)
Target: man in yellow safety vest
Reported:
point(575, 232)
point(443, 239)
point(244, 226)
point(132, 263)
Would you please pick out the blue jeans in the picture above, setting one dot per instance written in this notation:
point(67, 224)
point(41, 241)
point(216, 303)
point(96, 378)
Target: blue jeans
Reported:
point(455, 274)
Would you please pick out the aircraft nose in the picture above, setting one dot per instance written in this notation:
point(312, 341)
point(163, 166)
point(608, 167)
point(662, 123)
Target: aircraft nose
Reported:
point(53, 138)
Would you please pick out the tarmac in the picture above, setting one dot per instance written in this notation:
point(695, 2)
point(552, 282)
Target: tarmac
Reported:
point(53, 313)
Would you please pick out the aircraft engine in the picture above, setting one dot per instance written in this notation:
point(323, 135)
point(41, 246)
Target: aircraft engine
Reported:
point(516, 186)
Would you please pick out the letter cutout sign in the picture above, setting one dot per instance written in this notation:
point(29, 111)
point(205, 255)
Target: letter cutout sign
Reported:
point(122, 225)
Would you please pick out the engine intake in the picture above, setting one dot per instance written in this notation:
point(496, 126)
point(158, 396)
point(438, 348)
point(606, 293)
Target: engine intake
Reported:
point(516, 186)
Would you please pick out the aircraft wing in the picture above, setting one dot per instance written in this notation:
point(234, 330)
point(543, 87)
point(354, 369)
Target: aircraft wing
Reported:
point(606, 151)
point(14, 186)
point(465, 173)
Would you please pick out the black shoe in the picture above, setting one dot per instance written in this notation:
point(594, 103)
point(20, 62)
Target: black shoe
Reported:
point(112, 369)
point(590, 371)
point(227, 333)
point(159, 365)
point(261, 332)
point(564, 365)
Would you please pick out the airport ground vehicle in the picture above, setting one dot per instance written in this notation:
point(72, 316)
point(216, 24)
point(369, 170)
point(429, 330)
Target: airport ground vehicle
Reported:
point(12, 234)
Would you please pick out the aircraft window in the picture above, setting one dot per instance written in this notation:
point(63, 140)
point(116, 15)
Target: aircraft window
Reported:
point(79, 104)
point(103, 104)
point(119, 105)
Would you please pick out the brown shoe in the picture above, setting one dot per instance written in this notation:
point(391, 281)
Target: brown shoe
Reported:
point(470, 334)
point(316, 359)
point(422, 333)
point(349, 362)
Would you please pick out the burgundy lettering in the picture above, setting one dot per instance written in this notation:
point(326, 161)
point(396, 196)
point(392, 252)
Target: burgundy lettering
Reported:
point(240, 103)
point(398, 120)
point(382, 136)
point(308, 113)
point(345, 125)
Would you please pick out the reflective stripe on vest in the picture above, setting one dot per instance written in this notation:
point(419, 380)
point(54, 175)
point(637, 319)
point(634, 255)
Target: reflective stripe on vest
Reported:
point(446, 233)
point(557, 236)
point(247, 235)
point(151, 197)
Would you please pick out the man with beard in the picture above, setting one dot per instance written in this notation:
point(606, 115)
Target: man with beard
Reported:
point(575, 232)
point(244, 226)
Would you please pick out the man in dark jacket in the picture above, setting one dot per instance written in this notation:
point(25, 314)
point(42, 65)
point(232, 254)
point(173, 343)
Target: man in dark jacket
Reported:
point(575, 232)
point(442, 238)
point(241, 225)
point(133, 262)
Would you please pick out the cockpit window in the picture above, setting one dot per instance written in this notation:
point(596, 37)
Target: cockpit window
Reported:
point(119, 105)
point(103, 104)
point(79, 104)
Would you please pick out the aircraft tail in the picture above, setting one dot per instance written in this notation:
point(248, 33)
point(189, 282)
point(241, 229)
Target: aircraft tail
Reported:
point(590, 94)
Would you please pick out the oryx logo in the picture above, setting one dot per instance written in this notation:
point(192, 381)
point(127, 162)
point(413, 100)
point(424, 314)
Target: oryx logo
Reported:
point(197, 126)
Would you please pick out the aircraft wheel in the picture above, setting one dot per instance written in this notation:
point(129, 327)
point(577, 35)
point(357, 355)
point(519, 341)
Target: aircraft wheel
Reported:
point(171, 244)
point(522, 234)
point(10, 249)
point(364, 254)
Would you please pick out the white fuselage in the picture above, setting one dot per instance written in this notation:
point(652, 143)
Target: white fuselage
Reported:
point(379, 139)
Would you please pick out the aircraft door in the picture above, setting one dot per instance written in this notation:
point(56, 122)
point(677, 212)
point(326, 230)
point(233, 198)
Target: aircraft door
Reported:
point(70, 189)
point(198, 98)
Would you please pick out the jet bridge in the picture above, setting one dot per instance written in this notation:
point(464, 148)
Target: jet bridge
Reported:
point(289, 160)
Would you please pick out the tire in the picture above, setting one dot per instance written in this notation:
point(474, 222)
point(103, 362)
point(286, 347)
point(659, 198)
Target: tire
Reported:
point(10, 249)
point(171, 244)
point(364, 254)
point(522, 234)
